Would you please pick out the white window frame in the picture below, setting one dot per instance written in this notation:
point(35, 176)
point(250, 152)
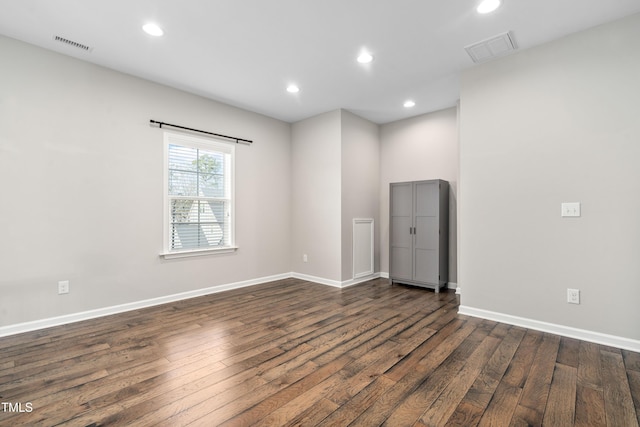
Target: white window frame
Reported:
point(209, 145)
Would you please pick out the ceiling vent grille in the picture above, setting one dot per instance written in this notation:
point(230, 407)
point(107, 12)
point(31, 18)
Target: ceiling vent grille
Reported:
point(72, 43)
point(493, 47)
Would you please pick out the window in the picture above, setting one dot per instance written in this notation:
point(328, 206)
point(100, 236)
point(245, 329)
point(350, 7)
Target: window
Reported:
point(198, 195)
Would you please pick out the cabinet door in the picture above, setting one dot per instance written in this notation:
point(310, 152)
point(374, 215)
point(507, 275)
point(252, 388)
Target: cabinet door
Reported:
point(426, 256)
point(400, 237)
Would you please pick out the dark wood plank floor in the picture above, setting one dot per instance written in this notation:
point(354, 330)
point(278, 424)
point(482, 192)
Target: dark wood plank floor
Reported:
point(297, 353)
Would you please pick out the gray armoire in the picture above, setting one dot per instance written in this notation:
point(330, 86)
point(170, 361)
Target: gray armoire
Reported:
point(419, 233)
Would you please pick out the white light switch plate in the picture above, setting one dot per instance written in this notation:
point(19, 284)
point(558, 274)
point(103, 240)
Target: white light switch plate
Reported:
point(571, 209)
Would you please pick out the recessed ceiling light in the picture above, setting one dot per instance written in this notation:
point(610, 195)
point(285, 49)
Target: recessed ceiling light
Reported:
point(488, 6)
point(293, 89)
point(152, 29)
point(365, 58)
point(409, 104)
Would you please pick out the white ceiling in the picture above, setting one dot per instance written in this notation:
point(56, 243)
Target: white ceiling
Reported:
point(245, 52)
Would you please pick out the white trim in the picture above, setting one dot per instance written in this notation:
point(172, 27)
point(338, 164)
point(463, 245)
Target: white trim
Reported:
point(452, 285)
point(107, 311)
point(334, 283)
point(315, 279)
point(567, 331)
point(209, 144)
point(199, 252)
point(19, 328)
point(458, 290)
point(595, 337)
point(384, 274)
point(358, 280)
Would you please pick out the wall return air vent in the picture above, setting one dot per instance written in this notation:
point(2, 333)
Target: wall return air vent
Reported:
point(72, 43)
point(493, 47)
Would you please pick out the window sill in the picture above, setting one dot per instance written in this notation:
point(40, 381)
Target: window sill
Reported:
point(198, 252)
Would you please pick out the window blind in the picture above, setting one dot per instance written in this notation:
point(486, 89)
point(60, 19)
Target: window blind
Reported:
point(198, 194)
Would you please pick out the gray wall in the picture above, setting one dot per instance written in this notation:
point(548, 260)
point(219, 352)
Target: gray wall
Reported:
point(82, 189)
point(316, 201)
point(81, 174)
point(557, 123)
point(360, 184)
point(335, 167)
point(420, 148)
point(82, 183)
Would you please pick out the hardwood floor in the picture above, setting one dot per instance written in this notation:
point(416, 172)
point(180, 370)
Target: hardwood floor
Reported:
point(296, 353)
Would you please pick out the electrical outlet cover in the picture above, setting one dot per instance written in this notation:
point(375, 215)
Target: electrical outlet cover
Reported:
point(571, 209)
point(63, 287)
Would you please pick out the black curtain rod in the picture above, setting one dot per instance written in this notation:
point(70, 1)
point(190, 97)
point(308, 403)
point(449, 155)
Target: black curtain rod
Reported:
point(237, 140)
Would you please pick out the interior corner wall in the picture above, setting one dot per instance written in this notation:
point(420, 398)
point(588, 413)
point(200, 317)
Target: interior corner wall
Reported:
point(315, 196)
point(82, 188)
point(552, 124)
point(420, 148)
point(359, 184)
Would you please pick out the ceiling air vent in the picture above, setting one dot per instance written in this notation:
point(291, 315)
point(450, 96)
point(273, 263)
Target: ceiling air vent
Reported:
point(72, 43)
point(491, 48)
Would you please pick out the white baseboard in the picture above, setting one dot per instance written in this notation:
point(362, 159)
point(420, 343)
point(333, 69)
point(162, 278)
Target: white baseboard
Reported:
point(567, 331)
point(334, 283)
point(315, 279)
point(352, 282)
point(596, 337)
point(384, 274)
point(19, 328)
point(452, 285)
